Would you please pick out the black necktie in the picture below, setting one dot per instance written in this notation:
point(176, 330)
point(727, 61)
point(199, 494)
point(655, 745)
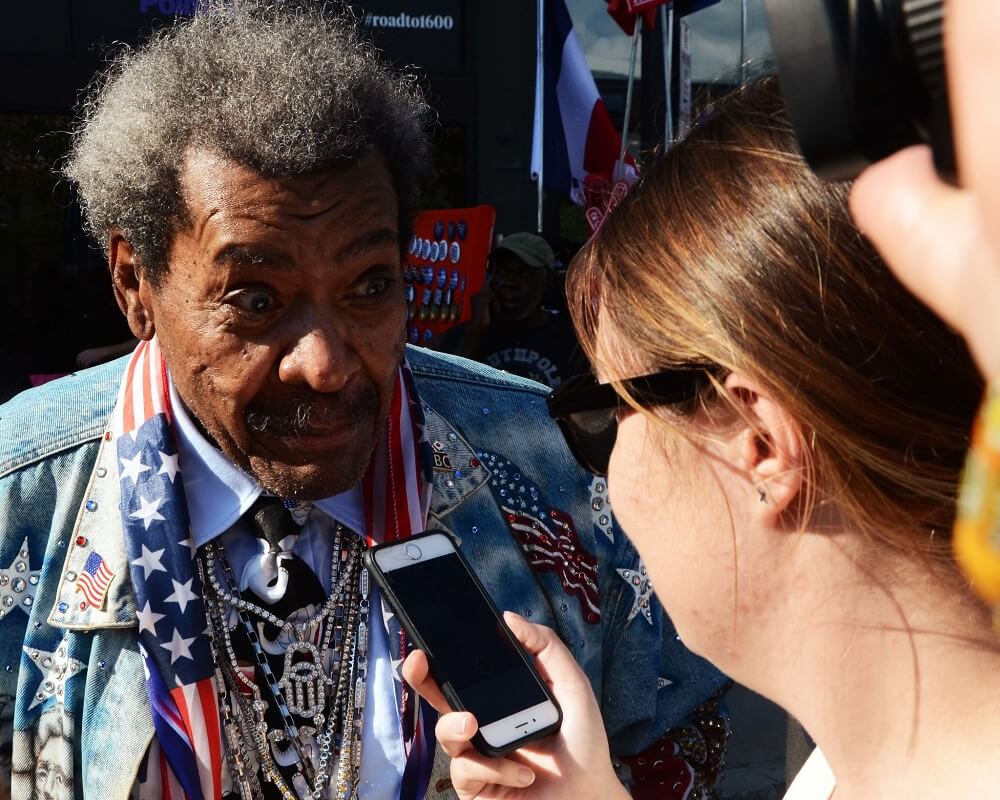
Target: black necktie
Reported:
point(272, 523)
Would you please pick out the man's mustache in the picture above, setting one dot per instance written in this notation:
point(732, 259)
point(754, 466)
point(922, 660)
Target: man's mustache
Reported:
point(299, 415)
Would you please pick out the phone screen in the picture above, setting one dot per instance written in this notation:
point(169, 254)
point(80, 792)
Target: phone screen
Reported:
point(461, 630)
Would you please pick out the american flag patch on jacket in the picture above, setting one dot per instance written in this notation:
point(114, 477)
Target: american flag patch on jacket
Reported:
point(94, 580)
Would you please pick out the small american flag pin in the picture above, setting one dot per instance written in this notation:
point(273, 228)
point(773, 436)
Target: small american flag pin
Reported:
point(94, 580)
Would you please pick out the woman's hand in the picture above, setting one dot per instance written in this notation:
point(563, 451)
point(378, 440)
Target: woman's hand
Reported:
point(943, 243)
point(573, 763)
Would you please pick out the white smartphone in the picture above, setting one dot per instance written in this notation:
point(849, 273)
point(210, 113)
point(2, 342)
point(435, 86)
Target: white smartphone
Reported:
point(475, 659)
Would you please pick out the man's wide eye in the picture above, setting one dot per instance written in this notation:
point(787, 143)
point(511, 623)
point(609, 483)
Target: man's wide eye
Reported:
point(253, 302)
point(376, 287)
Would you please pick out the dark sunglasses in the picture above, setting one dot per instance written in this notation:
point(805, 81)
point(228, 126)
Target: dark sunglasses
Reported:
point(587, 411)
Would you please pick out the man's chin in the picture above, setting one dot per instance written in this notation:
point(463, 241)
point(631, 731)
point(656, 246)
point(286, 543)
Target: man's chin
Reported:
point(312, 467)
point(309, 474)
point(309, 482)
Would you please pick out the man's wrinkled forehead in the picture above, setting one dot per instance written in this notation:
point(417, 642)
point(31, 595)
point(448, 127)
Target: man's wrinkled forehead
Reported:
point(223, 195)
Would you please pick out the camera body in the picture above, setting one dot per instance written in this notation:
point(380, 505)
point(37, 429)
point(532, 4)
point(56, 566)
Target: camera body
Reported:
point(863, 79)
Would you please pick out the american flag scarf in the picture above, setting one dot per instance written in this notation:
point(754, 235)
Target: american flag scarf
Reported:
point(173, 628)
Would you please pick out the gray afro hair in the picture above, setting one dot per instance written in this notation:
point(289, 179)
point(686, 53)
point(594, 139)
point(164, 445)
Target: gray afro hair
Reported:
point(283, 87)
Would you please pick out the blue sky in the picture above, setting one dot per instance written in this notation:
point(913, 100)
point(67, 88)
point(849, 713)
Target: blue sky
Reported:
point(715, 33)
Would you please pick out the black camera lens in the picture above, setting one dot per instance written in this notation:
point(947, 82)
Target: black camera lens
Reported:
point(863, 79)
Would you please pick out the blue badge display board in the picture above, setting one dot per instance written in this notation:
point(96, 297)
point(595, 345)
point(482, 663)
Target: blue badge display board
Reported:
point(445, 267)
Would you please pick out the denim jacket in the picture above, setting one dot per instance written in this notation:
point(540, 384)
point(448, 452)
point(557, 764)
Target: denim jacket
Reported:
point(74, 714)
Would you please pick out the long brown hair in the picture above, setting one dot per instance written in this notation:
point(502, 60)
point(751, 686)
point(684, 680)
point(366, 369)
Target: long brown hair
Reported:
point(730, 253)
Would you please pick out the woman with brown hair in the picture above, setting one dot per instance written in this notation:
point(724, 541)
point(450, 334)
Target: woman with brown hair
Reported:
point(788, 427)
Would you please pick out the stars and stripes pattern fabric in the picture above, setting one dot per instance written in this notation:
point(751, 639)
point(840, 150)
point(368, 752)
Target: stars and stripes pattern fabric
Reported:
point(94, 580)
point(547, 535)
point(180, 672)
point(398, 481)
point(186, 760)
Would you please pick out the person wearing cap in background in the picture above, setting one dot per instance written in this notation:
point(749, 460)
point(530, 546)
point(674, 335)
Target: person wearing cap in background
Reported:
point(510, 329)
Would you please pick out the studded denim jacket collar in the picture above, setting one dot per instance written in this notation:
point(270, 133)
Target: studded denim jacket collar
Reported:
point(98, 529)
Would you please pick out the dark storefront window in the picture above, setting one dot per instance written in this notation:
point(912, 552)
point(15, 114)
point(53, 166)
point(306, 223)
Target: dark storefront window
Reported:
point(55, 296)
point(449, 179)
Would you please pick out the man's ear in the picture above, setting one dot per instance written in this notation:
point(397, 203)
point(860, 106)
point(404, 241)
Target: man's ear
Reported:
point(768, 446)
point(132, 291)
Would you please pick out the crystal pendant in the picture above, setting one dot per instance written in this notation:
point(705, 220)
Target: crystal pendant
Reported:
point(303, 682)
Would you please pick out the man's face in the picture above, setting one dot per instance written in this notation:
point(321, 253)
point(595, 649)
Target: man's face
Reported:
point(517, 288)
point(53, 750)
point(281, 318)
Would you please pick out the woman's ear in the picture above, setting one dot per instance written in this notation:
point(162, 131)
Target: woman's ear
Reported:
point(131, 289)
point(768, 447)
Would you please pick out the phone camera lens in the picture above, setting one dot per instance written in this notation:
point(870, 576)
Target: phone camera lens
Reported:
point(413, 552)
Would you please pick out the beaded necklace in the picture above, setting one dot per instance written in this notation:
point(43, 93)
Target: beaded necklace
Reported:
point(323, 684)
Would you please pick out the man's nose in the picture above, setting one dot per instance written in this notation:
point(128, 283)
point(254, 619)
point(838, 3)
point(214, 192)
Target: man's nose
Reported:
point(321, 358)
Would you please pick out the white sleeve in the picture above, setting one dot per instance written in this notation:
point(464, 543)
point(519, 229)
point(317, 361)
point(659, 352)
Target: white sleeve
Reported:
point(815, 780)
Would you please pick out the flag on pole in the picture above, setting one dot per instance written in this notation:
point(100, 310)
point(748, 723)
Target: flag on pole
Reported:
point(579, 141)
point(624, 12)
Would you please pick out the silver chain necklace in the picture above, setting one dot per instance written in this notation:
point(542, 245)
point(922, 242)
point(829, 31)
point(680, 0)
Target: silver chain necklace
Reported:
point(330, 705)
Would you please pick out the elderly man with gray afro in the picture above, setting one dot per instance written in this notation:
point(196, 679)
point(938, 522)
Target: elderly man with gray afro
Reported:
point(182, 595)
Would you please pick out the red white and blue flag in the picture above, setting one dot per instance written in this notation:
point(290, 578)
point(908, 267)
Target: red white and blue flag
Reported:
point(172, 624)
point(575, 140)
point(624, 12)
point(94, 580)
point(546, 534)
